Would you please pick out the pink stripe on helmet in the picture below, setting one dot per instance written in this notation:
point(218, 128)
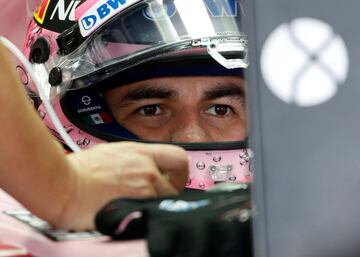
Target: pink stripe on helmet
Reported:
point(82, 8)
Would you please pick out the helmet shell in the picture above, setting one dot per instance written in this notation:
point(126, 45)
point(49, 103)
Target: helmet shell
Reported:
point(207, 166)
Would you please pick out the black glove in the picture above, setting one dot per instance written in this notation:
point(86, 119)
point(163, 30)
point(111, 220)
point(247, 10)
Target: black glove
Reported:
point(214, 223)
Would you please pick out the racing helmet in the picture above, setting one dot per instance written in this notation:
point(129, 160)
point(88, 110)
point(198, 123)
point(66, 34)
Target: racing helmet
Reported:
point(83, 48)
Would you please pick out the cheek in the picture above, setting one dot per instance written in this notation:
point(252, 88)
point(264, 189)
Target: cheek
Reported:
point(153, 133)
point(228, 131)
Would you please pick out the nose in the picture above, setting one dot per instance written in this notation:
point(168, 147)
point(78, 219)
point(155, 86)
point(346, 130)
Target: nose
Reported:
point(190, 130)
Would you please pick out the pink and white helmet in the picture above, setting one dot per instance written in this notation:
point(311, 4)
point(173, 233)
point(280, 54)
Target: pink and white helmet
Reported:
point(78, 47)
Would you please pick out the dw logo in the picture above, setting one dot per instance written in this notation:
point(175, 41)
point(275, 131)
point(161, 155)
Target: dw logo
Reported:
point(304, 61)
point(88, 22)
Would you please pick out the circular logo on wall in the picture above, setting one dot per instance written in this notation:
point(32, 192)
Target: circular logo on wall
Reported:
point(304, 61)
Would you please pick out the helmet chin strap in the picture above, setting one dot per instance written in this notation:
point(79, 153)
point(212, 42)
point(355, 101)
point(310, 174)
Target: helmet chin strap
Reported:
point(40, 88)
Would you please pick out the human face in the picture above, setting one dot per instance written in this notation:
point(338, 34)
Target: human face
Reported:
point(182, 109)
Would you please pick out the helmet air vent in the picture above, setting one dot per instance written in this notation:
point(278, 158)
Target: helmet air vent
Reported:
point(40, 51)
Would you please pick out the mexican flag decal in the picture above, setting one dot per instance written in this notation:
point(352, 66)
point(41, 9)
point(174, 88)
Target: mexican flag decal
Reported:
point(97, 118)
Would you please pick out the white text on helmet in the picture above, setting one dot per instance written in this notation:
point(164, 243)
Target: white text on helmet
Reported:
point(65, 12)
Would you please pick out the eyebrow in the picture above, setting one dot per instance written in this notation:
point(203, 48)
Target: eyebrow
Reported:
point(224, 90)
point(147, 92)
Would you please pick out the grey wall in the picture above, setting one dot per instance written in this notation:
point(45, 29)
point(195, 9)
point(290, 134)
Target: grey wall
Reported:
point(307, 159)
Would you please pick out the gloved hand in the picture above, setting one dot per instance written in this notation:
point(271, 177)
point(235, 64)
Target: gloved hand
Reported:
point(214, 223)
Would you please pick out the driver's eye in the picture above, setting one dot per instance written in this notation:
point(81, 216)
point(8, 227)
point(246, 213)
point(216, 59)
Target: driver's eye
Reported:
point(150, 110)
point(219, 110)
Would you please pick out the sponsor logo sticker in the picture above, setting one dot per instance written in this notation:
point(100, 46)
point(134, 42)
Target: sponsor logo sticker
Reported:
point(101, 12)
